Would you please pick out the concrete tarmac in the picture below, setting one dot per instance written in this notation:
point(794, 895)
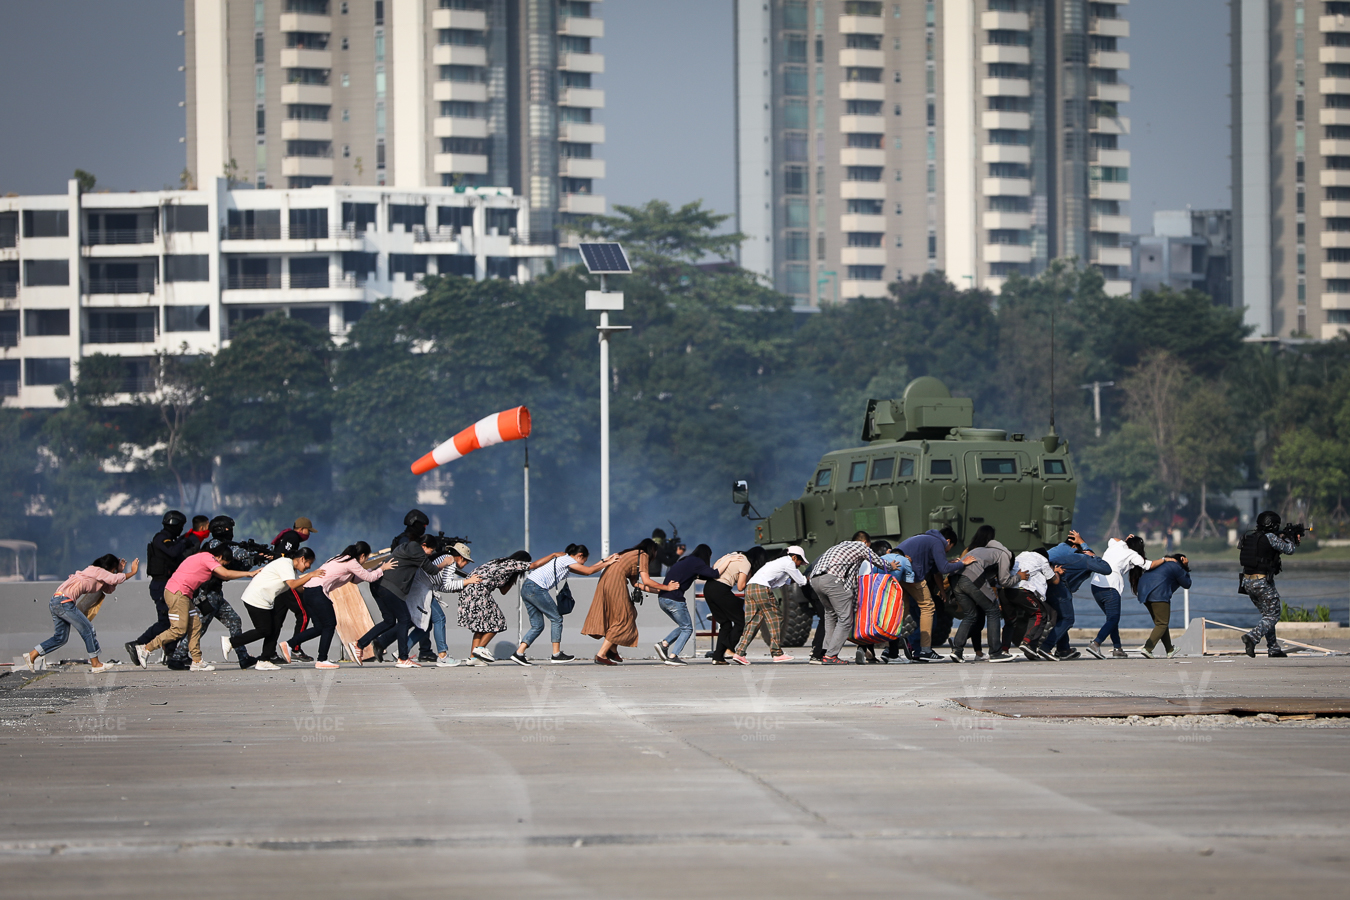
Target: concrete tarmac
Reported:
point(577, 780)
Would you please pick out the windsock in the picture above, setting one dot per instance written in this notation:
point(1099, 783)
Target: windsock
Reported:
point(508, 425)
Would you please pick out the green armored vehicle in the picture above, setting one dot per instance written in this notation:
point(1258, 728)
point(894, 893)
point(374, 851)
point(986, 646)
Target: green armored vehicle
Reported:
point(924, 466)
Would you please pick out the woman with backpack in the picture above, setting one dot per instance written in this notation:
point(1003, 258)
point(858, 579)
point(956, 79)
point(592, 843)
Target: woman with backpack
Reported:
point(552, 574)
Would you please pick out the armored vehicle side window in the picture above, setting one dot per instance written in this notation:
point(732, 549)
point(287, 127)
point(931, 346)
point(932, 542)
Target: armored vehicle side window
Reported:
point(1055, 467)
point(940, 467)
point(999, 466)
point(823, 478)
point(857, 472)
point(906, 467)
point(882, 469)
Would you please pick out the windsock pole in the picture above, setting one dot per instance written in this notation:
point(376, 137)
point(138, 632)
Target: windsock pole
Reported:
point(520, 599)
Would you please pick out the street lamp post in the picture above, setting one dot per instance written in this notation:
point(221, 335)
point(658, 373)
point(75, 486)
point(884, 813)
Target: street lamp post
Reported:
point(602, 260)
point(1096, 388)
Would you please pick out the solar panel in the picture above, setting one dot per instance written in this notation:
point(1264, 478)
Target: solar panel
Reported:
point(605, 259)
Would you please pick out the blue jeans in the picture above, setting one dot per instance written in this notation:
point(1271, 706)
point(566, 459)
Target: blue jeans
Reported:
point(437, 631)
point(540, 605)
point(1059, 599)
point(64, 616)
point(1109, 600)
point(679, 614)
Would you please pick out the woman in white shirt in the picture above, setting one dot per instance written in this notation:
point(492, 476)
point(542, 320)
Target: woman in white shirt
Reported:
point(1121, 556)
point(260, 599)
point(539, 603)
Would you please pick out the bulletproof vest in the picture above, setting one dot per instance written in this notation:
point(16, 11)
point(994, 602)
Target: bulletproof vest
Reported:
point(159, 565)
point(1257, 556)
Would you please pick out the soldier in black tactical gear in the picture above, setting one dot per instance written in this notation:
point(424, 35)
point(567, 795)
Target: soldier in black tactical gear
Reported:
point(1259, 552)
point(210, 602)
point(166, 550)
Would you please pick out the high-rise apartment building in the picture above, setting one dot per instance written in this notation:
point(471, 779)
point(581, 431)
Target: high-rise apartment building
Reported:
point(404, 93)
point(880, 140)
point(1291, 166)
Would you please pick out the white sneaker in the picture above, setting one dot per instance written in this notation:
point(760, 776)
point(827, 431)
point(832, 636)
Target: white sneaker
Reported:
point(225, 647)
point(100, 669)
point(472, 661)
point(285, 649)
point(355, 653)
point(142, 655)
point(37, 663)
point(407, 664)
point(446, 662)
point(265, 666)
point(325, 664)
point(203, 666)
point(484, 654)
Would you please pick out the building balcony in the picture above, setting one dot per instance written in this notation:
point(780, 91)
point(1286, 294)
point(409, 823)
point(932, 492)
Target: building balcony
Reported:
point(1333, 116)
point(1111, 224)
point(1333, 330)
point(1117, 28)
point(467, 19)
point(861, 90)
point(1102, 157)
point(866, 59)
point(1006, 221)
point(1109, 59)
point(862, 256)
point(453, 126)
point(582, 204)
point(1013, 121)
point(1006, 187)
point(306, 22)
point(119, 286)
point(1008, 253)
point(862, 156)
point(118, 335)
point(312, 166)
point(1334, 24)
point(582, 62)
point(1335, 209)
point(581, 168)
point(850, 290)
point(467, 163)
point(1334, 148)
point(858, 222)
point(1335, 301)
point(1334, 177)
point(1117, 288)
point(1336, 270)
point(1109, 124)
point(1109, 93)
point(1333, 85)
point(470, 91)
point(862, 124)
point(1002, 53)
point(1112, 256)
point(862, 190)
point(296, 58)
point(1328, 239)
point(1005, 21)
point(1005, 87)
point(458, 55)
point(313, 94)
point(306, 130)
point(862, 25)
point(583, 98)
point(1334, 55)
point(1010, 153)
point(107, 236)
point(581, 133)
point(1109, 190)
point(581, 26)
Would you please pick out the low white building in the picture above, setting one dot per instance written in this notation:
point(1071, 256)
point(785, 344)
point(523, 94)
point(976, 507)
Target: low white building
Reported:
point(132, 274)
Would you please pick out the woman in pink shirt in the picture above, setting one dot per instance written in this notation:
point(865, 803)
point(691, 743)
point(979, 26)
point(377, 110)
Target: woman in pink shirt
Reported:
point(347, 567)
point(102, 577)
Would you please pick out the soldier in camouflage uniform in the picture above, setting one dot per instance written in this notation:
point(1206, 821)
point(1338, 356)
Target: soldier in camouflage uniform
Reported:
point(1259, 551)
point(210, 603)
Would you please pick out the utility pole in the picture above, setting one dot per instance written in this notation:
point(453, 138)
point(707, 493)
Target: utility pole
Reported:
point(1096, 388)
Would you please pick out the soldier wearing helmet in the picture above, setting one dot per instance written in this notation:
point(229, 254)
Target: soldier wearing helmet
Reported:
point(1259, 552)
point(169, 547)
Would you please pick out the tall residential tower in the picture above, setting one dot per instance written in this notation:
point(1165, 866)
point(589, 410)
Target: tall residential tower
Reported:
point(404, 93)
point(880, 140)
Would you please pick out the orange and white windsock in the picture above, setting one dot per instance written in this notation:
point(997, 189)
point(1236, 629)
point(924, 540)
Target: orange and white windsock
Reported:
point(507, 425)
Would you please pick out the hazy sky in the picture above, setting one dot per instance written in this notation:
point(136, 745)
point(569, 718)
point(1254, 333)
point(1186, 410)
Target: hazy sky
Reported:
point(96, 85)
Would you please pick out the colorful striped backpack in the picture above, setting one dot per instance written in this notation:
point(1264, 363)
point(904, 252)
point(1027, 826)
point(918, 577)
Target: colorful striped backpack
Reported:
point(881, 607)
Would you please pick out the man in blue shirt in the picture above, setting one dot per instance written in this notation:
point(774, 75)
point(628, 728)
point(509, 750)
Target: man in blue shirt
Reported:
point(1155, 590)
point(1079, 563)
point(927, 554)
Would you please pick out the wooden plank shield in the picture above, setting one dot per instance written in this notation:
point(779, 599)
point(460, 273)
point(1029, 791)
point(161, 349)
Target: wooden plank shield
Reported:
point(353, 616)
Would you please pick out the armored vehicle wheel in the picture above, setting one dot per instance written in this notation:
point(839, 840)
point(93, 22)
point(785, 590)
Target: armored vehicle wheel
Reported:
point(796, 617)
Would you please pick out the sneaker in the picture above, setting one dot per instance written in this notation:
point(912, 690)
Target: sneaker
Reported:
point(1119, 654)
point(285, 650)
point(661, 651)
point(408, 663)
point(782, 657)
point(980, 657)
point(1146, 653)
point(675, 661)
point(1276, 653)
point(813, 661)
point(1028, 652)
point(104, 667)
point(835, 661)
point(723, 662)
point(130, 647)
point(520, 660)
point(1046, 654)
point(1072, 654)
point(354, 652)
point(225, 647)
point(325, 664)
point(472, 661)
point(1000, 657)
point(1173, 652)
point(428, 657)
point(379, 653)
point(265, 666)
point(562, 657)
point(484, 654)
point(1095, 649)
point(740, 660)
point(202, 666)
point(446, 662)
point(142, 657)
point(299, 655)
point(1250, 644)
point(955, 656)
point(929, 656)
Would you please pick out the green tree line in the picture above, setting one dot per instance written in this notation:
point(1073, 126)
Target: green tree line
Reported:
point(719, 379)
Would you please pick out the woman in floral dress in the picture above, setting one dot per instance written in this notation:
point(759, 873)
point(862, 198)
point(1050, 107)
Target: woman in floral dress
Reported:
point(479, 612)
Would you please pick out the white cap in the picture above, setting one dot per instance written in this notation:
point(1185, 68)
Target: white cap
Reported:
point(797, 551)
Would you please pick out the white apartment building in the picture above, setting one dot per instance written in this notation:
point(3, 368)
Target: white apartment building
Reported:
point(406, 93)
point(134, 274)
point(880, 140)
